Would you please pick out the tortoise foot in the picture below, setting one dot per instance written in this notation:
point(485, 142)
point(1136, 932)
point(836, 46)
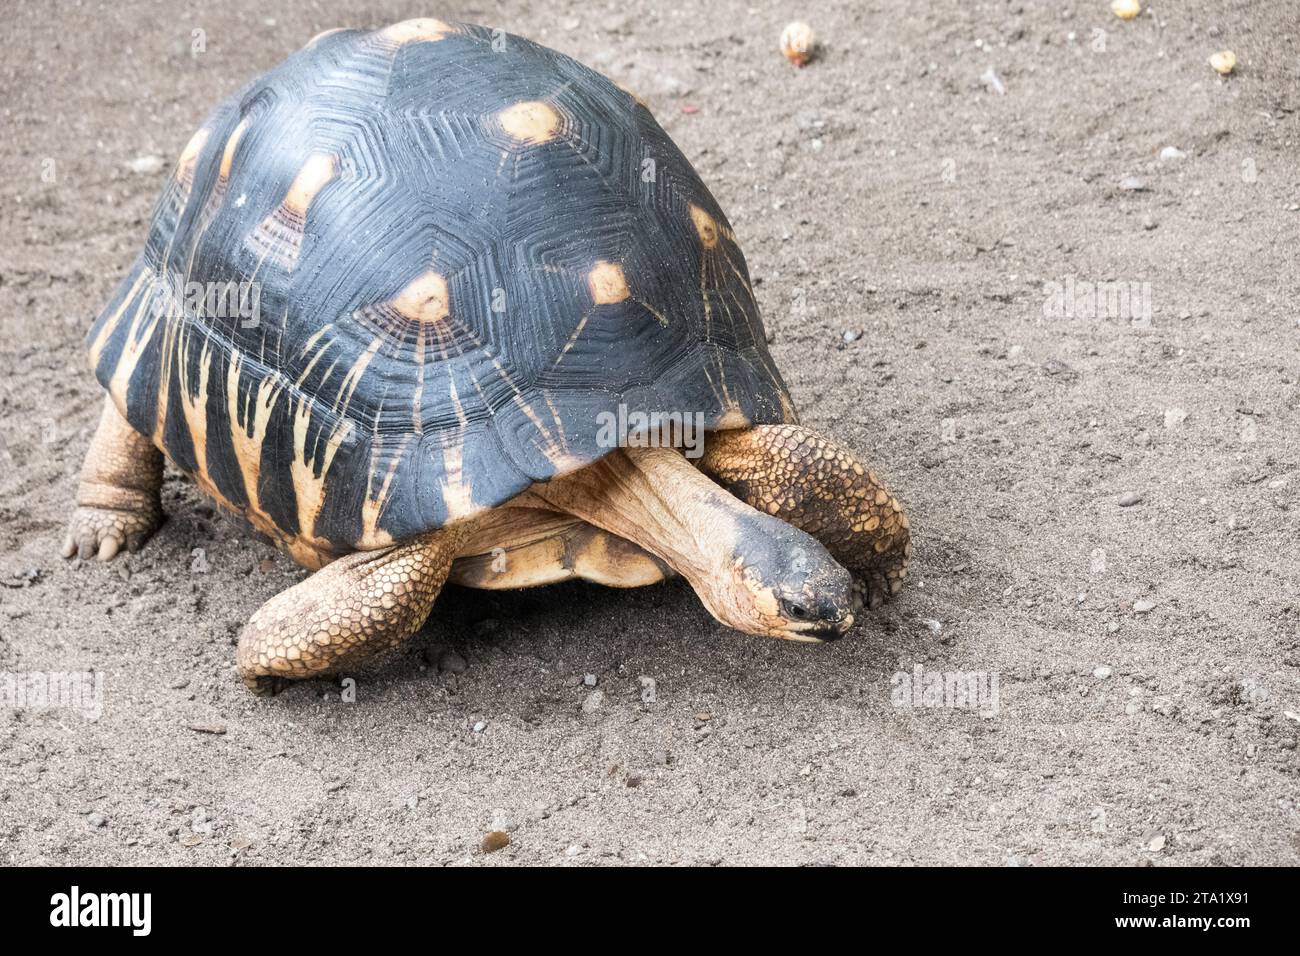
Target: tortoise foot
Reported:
point(872, 588)
point(264, 685)
point(117, 499)
point(104, 532)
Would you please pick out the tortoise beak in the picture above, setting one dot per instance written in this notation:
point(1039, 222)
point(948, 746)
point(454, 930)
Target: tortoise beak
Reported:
point(834, 630)
point(823, 631)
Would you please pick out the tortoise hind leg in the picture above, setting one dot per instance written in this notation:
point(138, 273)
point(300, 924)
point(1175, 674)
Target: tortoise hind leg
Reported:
point(350, 610)
point(820, 487)
point(118, 502)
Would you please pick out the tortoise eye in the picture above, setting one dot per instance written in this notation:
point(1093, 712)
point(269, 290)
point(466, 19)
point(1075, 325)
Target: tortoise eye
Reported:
point(796, 611)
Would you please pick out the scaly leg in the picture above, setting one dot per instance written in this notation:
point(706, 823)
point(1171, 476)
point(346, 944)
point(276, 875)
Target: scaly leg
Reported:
point(117, 500)
point(350, 610)
point(818, 485)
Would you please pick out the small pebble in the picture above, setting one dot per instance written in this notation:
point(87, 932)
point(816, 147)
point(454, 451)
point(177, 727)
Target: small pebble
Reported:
point(671, 86)
point(1133, 184)
point(1144, 606)
point(480, 727)
point(1223, 62)
point(990, 79)
point(1129, 499)
point(146, 165)
point(1102, 673)
point(798, 43)
point(649, 691)
point(1253, 691)
point(852, 335)
point(1171, 154)
point(1125, 9)
point(807, 119)
point(495, 840)
point(593, 702)
point(590, 680)
point(1175, 417)
point(96, 819)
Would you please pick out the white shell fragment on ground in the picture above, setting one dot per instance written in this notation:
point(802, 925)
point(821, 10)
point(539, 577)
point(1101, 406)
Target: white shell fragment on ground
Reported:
point(798, 42)
point(1223, 62)
point(1125, 9)
point(145, 165)
point(994, 83)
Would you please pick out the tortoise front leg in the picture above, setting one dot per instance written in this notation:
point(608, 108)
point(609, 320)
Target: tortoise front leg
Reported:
point(118, 504)
point(818, 485)
point(358, 606)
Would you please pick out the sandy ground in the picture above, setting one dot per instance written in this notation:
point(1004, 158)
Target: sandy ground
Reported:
point(1146, 655)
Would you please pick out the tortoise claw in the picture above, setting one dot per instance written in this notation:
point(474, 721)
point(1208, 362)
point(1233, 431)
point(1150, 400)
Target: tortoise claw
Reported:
point(265, 686)
point(104, 533)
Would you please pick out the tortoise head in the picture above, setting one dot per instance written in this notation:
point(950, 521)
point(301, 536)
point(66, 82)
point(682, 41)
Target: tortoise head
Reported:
point(786, 585)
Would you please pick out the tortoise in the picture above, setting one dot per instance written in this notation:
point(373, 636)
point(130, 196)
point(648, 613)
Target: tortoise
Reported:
point(493, 303)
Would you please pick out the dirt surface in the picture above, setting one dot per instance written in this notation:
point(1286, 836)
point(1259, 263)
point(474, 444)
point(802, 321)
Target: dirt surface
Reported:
point(1146, 655)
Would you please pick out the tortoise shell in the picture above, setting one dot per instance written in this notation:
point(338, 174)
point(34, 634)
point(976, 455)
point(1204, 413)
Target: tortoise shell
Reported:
point(449, 251)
